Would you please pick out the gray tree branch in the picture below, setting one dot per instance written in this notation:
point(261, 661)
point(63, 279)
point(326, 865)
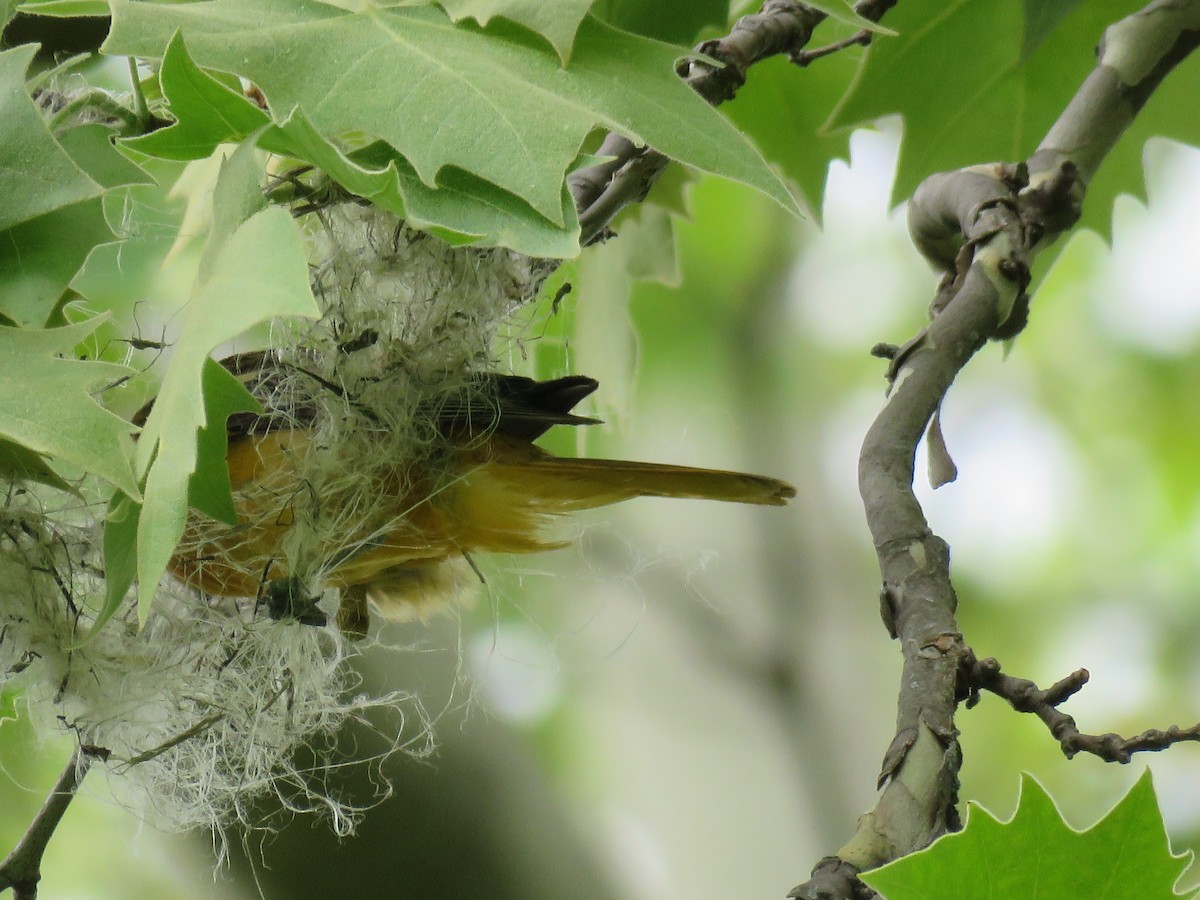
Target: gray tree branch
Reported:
point(22, 868)
point(781, 26)
point(983, 226)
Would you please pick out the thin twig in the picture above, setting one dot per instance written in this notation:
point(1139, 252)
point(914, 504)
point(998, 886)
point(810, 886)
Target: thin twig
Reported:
point(1025, 696)
point(22, 868)
point(803, 57)
point(146, 755)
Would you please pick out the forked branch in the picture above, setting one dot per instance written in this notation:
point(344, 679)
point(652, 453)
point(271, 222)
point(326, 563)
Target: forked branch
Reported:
point(1025, 696)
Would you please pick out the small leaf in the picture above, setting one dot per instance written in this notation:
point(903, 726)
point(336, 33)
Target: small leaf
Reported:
point(208, 488)
point(119, 548)
point(21, 463)
point(463, 209)
point(1124, 856)
point(36, 174)
point(236, 198)
point(40, 256)
point(208, 491)
point(252, 271)
point(47, 405)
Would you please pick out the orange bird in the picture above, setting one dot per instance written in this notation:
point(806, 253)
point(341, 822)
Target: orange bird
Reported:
point(484, 487)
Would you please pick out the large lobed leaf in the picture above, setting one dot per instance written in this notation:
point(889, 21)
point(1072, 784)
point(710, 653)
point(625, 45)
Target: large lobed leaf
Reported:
point(497, 105)
point(1124, 856)
point(463, 209)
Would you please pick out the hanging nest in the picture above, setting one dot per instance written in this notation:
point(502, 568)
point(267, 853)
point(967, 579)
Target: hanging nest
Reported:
point(202, 712)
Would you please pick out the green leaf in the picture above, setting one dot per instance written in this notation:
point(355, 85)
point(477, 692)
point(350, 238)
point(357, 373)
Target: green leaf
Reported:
point(237, 197)
point(673, 21)
point(120, 558)
point(1124, 856)
point(36, 174)
point(1122, 171)
point(790, 133)
point(464, 209)
point(21, 463)
point(207, 112)
point(47, 405)
point(91, 147)
point(122, 275)
point(492, 104)
point(209, 489)
point(842, 11)
point(557, 22)
point(64, 7)
point(1041, 18)
point(252, 270)
point(605, 345)
point(39, 257)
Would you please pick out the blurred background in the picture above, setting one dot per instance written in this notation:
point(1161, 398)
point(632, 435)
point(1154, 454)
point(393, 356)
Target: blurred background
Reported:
point(693, 700)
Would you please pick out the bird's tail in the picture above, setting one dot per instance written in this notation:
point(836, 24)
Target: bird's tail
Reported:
point(567, 485)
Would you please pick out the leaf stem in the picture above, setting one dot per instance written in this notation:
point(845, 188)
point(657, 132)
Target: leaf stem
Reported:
point(139, 97)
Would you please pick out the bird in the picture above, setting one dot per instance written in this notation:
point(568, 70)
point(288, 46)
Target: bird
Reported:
point(483, 487)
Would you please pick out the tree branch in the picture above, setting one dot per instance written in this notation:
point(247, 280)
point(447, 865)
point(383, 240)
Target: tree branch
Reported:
point(982, 226)
point(1025, 696)
point(22, 868)
point(781, 26)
